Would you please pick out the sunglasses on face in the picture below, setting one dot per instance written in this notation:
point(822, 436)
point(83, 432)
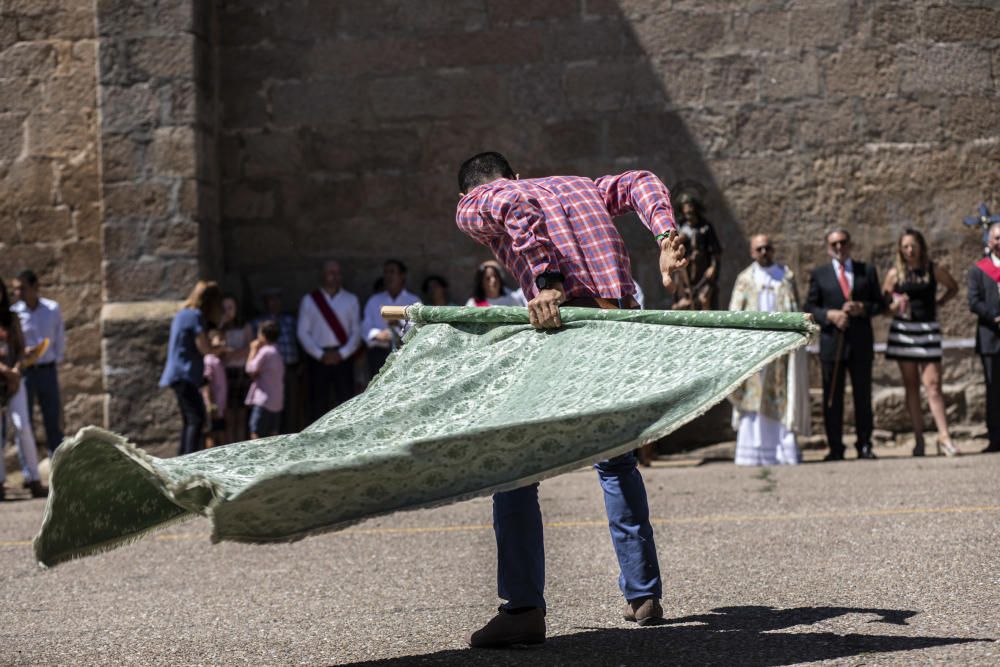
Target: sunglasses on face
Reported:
point(764, 248)
point(834, 244)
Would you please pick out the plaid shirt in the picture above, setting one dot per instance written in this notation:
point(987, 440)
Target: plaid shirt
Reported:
point(564, 223)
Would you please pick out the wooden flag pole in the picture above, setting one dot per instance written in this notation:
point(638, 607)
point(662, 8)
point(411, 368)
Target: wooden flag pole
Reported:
point(394, 313)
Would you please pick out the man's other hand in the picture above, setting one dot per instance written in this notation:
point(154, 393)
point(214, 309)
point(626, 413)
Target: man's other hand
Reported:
point(543, 310)
point(838, 318)
point(331, 358)
point(671, 259)
point(854, 308)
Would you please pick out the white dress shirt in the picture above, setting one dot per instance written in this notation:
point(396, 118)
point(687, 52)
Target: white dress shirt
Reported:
point(373, 323)
point(996, 263)
point(45, 321)
point(848, 271)
point(315, 334)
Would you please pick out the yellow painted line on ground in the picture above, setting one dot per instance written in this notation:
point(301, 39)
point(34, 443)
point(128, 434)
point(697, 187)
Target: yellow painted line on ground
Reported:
point(591, 523)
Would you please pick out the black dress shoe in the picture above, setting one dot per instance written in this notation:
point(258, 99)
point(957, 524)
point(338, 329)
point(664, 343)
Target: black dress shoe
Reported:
point(834, 456)
point(865, 452)
point(992, 449)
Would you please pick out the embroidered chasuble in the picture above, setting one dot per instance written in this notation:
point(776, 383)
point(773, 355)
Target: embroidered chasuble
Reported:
point(476, 401)
point(773, 289)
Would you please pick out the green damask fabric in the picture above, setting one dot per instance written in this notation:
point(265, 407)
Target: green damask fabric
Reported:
point(476, 401)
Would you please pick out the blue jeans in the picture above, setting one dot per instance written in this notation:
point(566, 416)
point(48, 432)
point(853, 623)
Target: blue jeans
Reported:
point(42, 383)
point(517, 523)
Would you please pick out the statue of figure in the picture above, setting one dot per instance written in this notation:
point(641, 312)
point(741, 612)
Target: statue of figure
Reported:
point(699, 289)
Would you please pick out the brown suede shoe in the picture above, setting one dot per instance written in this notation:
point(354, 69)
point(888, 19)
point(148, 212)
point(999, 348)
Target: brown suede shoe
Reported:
point(527, 627)
point(644, 611)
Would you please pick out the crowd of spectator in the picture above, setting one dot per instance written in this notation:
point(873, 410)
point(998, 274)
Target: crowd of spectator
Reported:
point(236, 379)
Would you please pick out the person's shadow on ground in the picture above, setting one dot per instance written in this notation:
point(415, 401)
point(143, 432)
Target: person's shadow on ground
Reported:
point(745, 636)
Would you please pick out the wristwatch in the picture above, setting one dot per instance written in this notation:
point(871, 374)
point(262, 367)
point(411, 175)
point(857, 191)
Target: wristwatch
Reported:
point(547, 279)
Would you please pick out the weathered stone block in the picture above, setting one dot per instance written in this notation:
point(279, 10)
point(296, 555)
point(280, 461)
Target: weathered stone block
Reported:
point(81, 262)
point(80, 303)
point(39, 258)
point(895, 22)
point(813, 24)
point(161, 57)
point(69, 20)
point(764, 129)
point(131, 200)
point(899, 120)
point(971, 117)
point(59, 134)
point(732, 79)
point(173, 151)
point(28, 59)
point(324, 102)
point(18, 94)
point(945, 69)
point(956, 23)
point(77, 379)
point(78, 183)
point(87, 221)
point(862, 72)
point(127, 108)
point(85, 409)
point(764, 31)
point(26, 183)
point(244, 201)
point(449, 94)
point(787, 78)
point(83, 346)
point(45, 224)
point(826, 124)
point(123, 157)
point(668, 31)
point(608, 87)
point(682, 81)
point(173, 239)
point(74, 93)
point(11, 136)
point(265, 61)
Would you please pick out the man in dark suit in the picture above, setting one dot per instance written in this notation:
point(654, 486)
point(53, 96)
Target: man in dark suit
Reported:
point(843, 297)
point(984, 301)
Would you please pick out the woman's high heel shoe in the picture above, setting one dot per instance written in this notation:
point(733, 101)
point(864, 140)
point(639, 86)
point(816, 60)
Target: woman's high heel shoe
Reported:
point(918, 449)
point(948, 447)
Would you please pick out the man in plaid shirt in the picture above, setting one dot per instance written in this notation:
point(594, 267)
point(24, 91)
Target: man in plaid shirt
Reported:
point(556, 235)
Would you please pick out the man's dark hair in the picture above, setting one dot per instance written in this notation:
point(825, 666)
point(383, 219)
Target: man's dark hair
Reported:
point(433, 278)
point(483, 168)
point(399, 265)
point(271, 330)
point(28, 277)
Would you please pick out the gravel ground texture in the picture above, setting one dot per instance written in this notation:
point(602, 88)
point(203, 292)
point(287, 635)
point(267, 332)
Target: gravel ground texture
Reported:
point(888, 562)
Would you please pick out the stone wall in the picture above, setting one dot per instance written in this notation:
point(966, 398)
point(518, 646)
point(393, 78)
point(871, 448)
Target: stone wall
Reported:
point(49, 191)
point(249, 139)
point(155, 79)
point(343, 125)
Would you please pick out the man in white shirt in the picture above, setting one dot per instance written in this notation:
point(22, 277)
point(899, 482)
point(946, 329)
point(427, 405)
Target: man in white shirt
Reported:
point(330, 333)
point(380, 335)
point(41, 319)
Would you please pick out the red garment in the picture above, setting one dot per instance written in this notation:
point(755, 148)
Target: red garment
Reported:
point(564, 223)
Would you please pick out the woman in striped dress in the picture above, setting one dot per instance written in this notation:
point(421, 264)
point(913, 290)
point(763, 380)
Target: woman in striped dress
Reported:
point(915, 335)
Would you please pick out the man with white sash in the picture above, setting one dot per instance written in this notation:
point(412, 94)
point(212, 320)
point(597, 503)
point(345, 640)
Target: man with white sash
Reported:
point(771, 407)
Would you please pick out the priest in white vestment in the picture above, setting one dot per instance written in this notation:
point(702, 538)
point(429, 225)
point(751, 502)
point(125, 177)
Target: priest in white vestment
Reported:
point(772, 407)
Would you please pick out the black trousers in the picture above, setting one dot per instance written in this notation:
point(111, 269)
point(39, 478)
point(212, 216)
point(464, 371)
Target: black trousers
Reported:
point(193, 414)
point(833, 411)
point(991, 369)
point(329, 386)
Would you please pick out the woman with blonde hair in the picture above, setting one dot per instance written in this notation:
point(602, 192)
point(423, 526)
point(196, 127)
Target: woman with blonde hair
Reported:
point(915, 336)
point(185, 368)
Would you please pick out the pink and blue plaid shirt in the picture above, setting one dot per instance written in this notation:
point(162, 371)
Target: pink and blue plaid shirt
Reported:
point(564, 223)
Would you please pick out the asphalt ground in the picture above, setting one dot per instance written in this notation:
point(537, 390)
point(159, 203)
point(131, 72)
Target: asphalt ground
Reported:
point(895, 561)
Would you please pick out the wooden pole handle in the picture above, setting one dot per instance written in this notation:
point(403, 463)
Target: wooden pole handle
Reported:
point(393, 312)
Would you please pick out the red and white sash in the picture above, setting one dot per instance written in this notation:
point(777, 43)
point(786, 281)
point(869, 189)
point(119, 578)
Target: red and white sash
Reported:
point(989, 268)
point(331, 317)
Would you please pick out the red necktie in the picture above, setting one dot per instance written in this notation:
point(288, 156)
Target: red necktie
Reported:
point(844, 285)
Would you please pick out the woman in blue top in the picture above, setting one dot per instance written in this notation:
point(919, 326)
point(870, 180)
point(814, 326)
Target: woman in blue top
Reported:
point(185, 370)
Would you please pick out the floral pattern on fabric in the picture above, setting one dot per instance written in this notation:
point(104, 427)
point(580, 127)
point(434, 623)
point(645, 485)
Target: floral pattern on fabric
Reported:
point(477, 401)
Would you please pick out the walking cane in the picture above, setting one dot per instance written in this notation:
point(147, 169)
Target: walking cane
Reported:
point(836, 368)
